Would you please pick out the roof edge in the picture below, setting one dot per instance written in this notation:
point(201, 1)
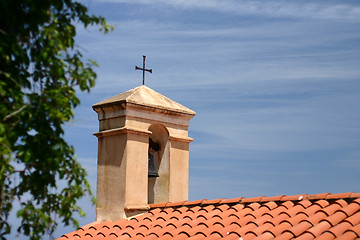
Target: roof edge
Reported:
point(145, 97)
point(262, 199)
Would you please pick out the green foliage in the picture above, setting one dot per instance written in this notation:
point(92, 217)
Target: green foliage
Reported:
point(40, 68)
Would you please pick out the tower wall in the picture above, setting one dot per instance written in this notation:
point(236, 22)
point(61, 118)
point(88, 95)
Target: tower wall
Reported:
point(125, 127)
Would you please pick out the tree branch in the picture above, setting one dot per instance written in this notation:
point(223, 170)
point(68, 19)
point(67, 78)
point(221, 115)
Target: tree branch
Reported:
point(15, 113)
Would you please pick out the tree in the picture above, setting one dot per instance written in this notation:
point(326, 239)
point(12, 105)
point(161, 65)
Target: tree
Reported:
point(40, 70)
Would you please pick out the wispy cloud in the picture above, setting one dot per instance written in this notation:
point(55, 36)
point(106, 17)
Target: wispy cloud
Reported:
point(316, 123)
point(302, 9)
point(238, 54)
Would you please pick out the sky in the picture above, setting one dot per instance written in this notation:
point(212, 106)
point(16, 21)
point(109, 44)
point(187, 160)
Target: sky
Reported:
point(275, 85)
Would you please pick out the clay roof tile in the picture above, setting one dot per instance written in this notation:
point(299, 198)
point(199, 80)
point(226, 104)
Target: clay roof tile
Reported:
point(197, 202)
point(317, 196)
point(158, 205)
point(294, 210)
point(335, 218)
point(278, 229)
point(232, 200)
point(319, 229)
point(355, 229)
point(251, 200)
point(294, 197)
point(355, 195)
point(176, 204)
point(213, 201)
point(288, 204)
point(293, 221)
point(339, 229)
point(322, 216)
point(272, 199)
point(339, 195)
point(326, 236)
point(298, 229)
point(354, 219)
point(304, 203)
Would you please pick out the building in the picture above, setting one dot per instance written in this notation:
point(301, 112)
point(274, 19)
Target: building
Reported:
point(142, 185)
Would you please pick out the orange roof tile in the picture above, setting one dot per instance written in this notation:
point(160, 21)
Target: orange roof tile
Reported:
point(320, 216)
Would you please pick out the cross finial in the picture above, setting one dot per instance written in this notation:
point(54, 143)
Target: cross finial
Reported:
point(143, 69)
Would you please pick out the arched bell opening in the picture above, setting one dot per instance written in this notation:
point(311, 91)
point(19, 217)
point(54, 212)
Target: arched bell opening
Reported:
point(158, 164)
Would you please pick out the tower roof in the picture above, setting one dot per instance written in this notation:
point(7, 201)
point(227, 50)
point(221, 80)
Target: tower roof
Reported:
point(145, 96)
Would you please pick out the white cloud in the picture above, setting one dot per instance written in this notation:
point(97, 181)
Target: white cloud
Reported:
point(272, 51)
point(319, 122)
point(322, 10)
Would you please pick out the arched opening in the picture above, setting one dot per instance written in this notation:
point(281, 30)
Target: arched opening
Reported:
point(158, 152)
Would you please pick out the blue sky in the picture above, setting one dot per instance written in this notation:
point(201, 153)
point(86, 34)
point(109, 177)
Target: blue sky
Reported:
point(275, 84)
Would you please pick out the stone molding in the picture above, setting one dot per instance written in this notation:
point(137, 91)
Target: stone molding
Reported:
point(137, 207)
point(181, 139)
point(143, 112)
point(122, 130)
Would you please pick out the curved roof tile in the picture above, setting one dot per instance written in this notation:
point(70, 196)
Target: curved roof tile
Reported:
point(320, 216)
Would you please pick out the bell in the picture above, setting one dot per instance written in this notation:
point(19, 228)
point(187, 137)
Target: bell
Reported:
point(152, 173)
point(153, 145)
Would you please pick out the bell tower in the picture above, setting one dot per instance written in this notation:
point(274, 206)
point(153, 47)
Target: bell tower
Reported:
point(143, 152)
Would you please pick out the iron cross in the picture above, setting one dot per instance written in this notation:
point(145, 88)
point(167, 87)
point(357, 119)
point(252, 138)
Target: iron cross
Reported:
point(143, 69)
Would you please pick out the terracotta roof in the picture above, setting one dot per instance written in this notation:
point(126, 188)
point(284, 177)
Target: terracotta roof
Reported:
point(320, 216)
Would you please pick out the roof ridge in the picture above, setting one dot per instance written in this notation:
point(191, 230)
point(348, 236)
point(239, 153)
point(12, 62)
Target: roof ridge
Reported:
point(280, 198)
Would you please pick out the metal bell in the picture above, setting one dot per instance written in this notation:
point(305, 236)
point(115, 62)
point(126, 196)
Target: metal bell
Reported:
point(152, 173)
point(153, 148)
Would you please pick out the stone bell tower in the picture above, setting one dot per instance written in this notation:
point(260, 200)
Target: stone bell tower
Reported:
point(143, 152)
